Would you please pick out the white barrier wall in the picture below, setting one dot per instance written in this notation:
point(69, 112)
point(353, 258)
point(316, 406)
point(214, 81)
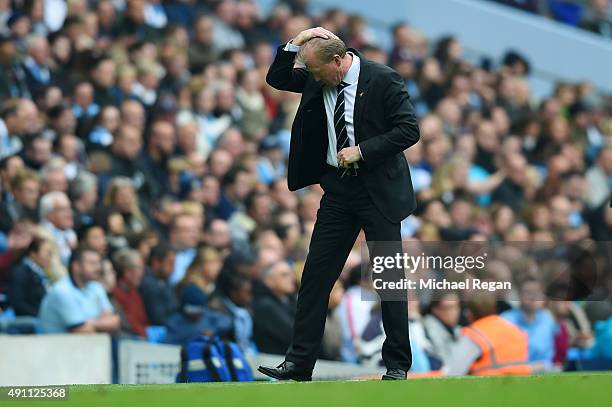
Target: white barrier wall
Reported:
point(29, 360)
point(145, 363)
point(38, 360)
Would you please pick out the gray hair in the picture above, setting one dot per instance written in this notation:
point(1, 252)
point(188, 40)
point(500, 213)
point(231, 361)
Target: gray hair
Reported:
point(56, 164)
point(33, 39)
point(124, 259)
point(48, 201)
point(324, 49)
point(84, 182)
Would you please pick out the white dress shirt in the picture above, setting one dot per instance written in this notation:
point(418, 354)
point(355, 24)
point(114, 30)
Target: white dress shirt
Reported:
point(9, 144)
point(330, 95)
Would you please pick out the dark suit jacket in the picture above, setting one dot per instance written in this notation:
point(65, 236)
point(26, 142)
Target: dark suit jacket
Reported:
point(26, 290)
point(385, 125)
point(158, 297)
point(35, 86)
point(272, 321)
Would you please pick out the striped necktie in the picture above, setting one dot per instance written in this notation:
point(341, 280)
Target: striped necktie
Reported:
point(342, 139)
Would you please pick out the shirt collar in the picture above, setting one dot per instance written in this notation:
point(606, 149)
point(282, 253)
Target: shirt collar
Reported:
point(29, 61)
point(352, 76)
point(3, 129)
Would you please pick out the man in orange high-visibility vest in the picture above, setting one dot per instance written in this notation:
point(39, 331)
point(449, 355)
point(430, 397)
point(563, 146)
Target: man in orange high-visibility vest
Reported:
point(490, 345)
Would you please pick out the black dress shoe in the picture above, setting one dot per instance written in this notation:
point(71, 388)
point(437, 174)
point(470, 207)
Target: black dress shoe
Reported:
point(395, 374)
point(286, 371)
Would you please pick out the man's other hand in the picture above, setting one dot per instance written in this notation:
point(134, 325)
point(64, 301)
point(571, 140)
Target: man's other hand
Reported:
point(348, 155)
point(311, 33)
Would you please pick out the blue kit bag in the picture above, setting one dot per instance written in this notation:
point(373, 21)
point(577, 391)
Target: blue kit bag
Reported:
point(212, 359)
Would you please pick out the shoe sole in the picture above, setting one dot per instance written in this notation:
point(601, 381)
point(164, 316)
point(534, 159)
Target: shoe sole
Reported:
point(272, 374)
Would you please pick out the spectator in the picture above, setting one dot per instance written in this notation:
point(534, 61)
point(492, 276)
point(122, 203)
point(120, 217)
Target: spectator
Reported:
point(490, 345)
point(133, 114)
point(252, 103)
point(130, 271)
point(235, 300)
point(103, 74)
point(70, 149)
point(125, 150)
point(12, 248)
point(332, 338)
point(36, 64)
point(84, 108)
point(37, 152)
point(461, 220)
point(78, 303)
point(574, 328)
point(242, 225)
point(225, 35)
point(93, 236)
point(274, 308)
point(105, 125)
point(176, 78)
point(121, 196)
point(289, 230)
point(536, 320)
point(145, 87)
point(54, 177)
point(134, 24)
point(62, 60)
point(84, 195)
point(12, 79)
point(271, 166)
point(598, 18)
point(56, 216)
point(201, 50)
point(217, 235)
point(19, 25)
point(353, 313)
point(160, 147)
point(599, 178)
point(442, 324)
point(157, 295)
point(195, 319)
point(184, 237)
point(9, 166)
point(513, 191)
point(28, 281)
point(11, 127)
point(203, 271)
point(25, 190)
point(236, 186)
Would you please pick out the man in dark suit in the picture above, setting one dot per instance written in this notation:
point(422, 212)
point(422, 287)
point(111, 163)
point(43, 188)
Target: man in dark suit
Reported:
point(38, 73)
point(354, 121)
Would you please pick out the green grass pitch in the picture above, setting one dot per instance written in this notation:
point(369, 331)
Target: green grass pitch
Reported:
point(577, 390)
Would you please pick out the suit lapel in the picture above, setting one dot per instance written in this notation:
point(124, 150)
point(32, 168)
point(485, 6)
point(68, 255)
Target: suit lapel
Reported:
point(360, 97)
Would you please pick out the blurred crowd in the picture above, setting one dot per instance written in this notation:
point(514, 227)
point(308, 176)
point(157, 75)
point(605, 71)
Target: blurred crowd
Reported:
point(143, 185)
point(590, 15)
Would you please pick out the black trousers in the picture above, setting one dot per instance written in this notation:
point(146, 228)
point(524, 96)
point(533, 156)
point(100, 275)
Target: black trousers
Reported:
point(345, 209)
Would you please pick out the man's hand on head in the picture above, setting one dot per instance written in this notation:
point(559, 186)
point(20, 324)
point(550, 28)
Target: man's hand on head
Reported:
point(311, 33)
point(348, 156)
